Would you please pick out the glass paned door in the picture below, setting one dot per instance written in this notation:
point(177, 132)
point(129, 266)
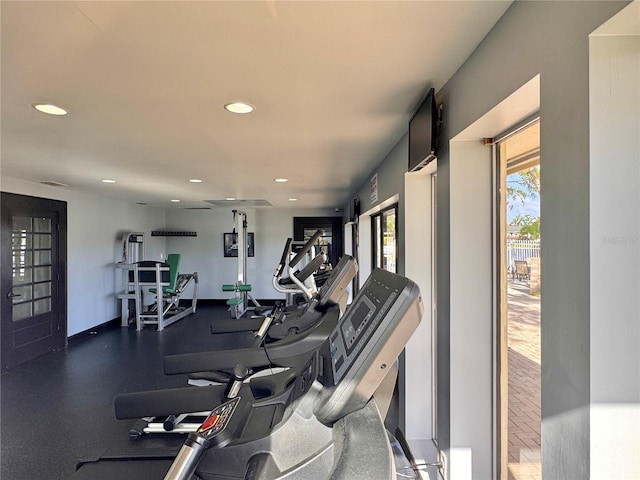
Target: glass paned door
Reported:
point(32, 277)
point(31, 267)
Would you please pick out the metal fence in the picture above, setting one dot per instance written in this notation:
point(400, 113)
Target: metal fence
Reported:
point(521, 250)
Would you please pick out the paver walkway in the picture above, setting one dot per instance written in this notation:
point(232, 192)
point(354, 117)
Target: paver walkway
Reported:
point(524, 382)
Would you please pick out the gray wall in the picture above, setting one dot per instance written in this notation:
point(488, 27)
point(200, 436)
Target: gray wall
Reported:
point(390, 182)
point(550, 39)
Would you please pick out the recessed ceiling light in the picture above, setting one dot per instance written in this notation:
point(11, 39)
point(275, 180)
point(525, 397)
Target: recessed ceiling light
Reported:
point(195, 180)
point(230, 198)
point(108, 180)
point(239, 107)
point(50, 109)
point(175, 200)
point(293, 199)
point(281, 180)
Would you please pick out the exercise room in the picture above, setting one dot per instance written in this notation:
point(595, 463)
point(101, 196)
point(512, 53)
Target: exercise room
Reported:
point(274, 240)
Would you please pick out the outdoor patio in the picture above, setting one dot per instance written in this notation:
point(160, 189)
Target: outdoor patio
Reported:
point(524, 382)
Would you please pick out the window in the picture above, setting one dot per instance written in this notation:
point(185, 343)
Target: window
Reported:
point(384, 238)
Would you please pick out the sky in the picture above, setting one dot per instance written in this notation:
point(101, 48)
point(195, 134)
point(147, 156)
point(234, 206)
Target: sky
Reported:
point(530, 206)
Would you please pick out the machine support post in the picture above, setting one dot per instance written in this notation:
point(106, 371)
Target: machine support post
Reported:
point(240, 303)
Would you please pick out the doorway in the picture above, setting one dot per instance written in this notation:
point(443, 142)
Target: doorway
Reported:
point(34, 304)
point(518, 155)
point(330, 242)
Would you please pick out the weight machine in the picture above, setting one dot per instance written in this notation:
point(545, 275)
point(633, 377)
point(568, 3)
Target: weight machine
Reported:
point(132, 252)
point(239, 304)
point(162, 279)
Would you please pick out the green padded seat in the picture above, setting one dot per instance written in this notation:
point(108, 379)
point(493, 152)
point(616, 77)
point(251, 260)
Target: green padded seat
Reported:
point(173, 260)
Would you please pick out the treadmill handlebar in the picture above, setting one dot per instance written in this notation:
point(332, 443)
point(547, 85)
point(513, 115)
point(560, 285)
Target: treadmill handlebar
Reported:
point(305, 249)
point(214, 360)
point(184, 466)
point(289, 352)
point(266, 323)
point(311, 267)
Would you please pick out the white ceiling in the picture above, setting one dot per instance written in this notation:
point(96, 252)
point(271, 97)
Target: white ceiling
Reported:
point(334, 85)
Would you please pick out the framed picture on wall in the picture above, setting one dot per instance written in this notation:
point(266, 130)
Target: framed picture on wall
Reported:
point(231, 244)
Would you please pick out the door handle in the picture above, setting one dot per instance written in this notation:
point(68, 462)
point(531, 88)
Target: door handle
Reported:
point(11, 295)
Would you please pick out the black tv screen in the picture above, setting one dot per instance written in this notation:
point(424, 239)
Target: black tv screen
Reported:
point(422, 133)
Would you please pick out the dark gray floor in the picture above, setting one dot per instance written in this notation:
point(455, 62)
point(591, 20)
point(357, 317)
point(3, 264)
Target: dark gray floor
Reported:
point(58, 408)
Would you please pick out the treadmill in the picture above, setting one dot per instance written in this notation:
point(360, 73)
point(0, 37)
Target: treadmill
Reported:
point(281, 341)
point(286, 340)
point(321, 419)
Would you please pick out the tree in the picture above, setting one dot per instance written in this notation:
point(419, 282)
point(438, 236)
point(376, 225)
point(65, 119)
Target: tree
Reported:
point(520, 187)
point(525, 185)
point(529, 226)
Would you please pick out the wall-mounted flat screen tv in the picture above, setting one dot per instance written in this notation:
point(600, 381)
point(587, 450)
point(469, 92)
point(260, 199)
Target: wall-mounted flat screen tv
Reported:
point(423, 133)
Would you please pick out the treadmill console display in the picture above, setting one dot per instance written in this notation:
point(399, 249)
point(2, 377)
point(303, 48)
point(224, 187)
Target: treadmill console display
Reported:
point(362, 319)
point(363, 348)
point(366, 343)
point(352, 329)
point(340, 278)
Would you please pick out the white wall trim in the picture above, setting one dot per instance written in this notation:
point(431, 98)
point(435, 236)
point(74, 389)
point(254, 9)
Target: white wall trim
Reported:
point(418, 267)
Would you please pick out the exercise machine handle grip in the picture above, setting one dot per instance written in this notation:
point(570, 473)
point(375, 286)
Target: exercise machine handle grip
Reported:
point(214, 360)
point(240, 374)
point(187, 459)
point(266, 323)
point(311, 267)
point(283, 259)
point(305, 249)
